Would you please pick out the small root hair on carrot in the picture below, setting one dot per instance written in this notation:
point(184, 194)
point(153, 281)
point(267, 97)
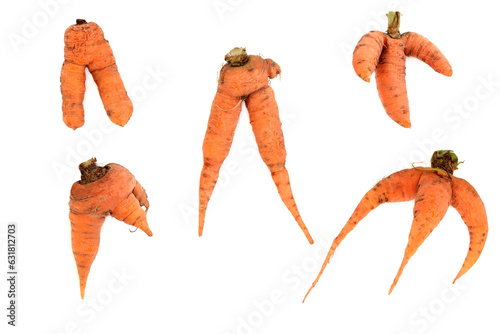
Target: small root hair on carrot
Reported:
point(227, 110)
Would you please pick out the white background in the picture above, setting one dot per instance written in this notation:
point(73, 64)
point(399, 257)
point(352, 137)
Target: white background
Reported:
point(252, 267)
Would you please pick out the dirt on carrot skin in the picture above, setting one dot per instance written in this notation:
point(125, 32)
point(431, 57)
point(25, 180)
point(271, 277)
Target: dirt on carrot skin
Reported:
point(91, 172)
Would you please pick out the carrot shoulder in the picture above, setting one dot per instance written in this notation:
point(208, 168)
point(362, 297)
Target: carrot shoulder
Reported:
point(469, 205)
point(398, 187)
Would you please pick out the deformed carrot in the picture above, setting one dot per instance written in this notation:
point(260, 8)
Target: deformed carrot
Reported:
point(85, 46)
point(385, 54)
point(246, 78)
point(434, 189)
point(469, 205)
point(398, 187)
point(431, 203)
point(102, 191)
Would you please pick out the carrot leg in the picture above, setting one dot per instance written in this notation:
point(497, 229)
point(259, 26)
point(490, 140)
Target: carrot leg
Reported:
point(366, 54)
point(391, 84)
point(85, 237)
point(114, 97)
point(431, 204)
point(420, 47)
point(469, 205)
point(130, 212)
point(397, 187)
point(266, 125)
point(140, 193)
point(73, 91)
point(222, 123)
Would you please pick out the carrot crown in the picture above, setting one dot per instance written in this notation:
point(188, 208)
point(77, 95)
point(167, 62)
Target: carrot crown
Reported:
point(393, 26)
point(445, 160)
point(237, 57)
point(91, 172)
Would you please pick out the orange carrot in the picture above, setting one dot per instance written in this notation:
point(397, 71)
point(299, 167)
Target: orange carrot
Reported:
point(433, 190)
point(385, 54)
point(85, 46)
point(469, 205)
point(245, 78)
point(102, 191)
point(431, 203)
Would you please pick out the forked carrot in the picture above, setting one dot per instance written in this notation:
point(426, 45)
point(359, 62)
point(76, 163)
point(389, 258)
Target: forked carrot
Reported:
point(385, 54)
point(102, 191)
point(246, 78)
point(85, 47)
point(434, 189)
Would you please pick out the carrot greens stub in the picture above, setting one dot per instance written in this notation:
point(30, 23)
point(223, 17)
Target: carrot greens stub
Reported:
point(393, 26)
point(237, 57)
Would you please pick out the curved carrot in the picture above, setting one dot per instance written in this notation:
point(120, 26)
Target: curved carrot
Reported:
point(385, 53)
point(431, 203)
point(103, 191)
point(245, 78)
point(469, 205)
point(85, 46)
point(397, 187)
point(420, 47)
point(367, 53)
point(266, 125)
